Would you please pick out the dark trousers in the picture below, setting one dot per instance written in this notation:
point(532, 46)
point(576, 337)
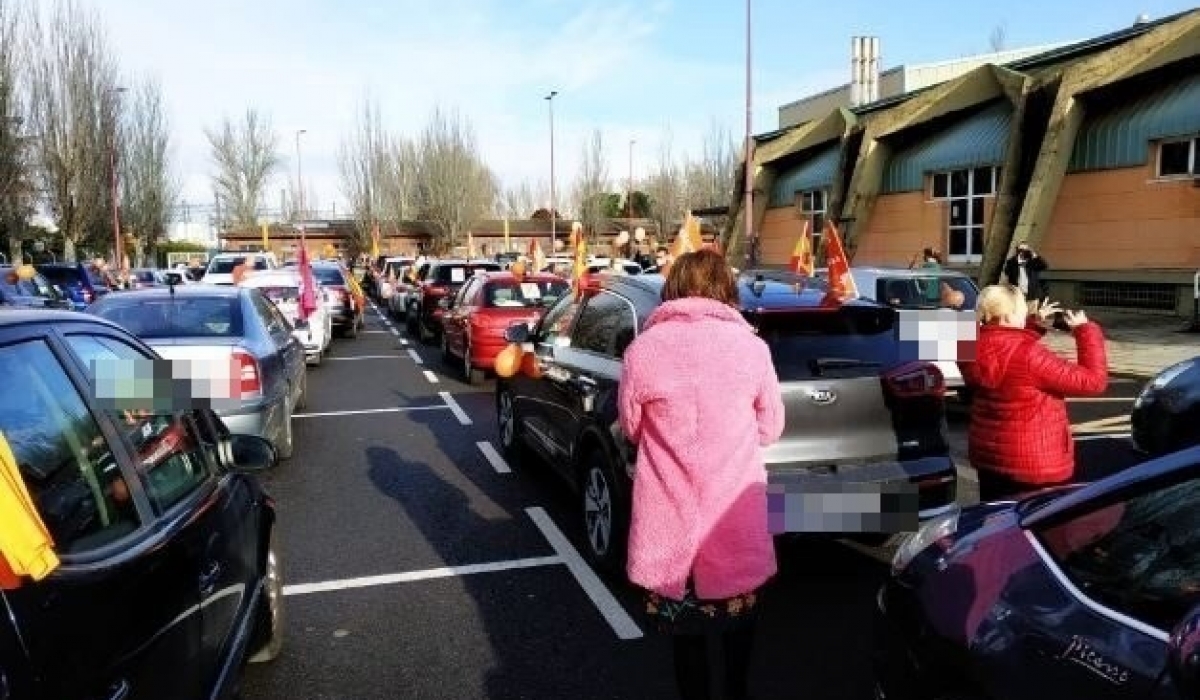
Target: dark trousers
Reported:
point(692, 668)
point(997, 487)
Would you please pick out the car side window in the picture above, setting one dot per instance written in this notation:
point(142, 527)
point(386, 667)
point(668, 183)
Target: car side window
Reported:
point(556, 325)
point(605, 326)
point(1139, 556)
point(269, 314)
point(68, 466)
point(172, 462)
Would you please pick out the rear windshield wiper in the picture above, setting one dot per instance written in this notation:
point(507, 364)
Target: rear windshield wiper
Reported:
point(820, 365)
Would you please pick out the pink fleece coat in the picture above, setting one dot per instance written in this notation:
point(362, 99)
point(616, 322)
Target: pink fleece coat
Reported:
point(699, 397)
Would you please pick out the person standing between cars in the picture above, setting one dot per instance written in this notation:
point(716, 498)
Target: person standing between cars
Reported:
point(1024, 271)
point(1019, 438)
point(929, 259)
point(698, 539)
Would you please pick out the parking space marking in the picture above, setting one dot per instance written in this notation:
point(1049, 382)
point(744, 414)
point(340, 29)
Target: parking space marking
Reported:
point(609, 607)
point(403, 341)
point(362, 357)
point(457, 410)
point(368, 411)
point(429, 375)
point(411, 576)
point(1103, 436)
point(372, 331)
point(416, 358)
point(493, 457)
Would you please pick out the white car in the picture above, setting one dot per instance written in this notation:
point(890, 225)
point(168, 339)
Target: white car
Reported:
point(221, 266)
point(282, 287)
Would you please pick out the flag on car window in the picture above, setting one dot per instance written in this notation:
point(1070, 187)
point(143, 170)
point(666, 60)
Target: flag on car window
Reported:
point(802, 254)
point(579, 268)
point(841, 282)
point(26, 547)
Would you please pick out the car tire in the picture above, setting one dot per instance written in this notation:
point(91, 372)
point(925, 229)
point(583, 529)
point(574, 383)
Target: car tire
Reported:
point(266, 641)
point(446, 354)
point(302, 399)
point(410, 323)
point(471, 375)
point(604, 515)
point(287, 442)
point(508, 425)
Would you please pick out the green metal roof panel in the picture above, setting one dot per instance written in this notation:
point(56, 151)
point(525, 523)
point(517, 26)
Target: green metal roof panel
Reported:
point(813, 173)
point(978, 140)
point(1119, 137)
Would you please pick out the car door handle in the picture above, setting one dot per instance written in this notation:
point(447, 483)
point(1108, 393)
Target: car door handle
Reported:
point(208, 579)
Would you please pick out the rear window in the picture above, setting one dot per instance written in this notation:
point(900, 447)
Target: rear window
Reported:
point(281, 294)
point(224, 266)
point(329, 276)
point(849, 342)
point(61, 275)
point(932, 292)
point(524, 294)
point(145, 276)
point(458, 274)
point(181, 317)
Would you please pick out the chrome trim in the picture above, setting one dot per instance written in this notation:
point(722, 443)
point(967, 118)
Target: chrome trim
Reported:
point(935, 512)
point(1111, 614)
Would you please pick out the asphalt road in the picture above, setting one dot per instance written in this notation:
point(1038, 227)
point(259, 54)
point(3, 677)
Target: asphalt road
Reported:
point(419, 566)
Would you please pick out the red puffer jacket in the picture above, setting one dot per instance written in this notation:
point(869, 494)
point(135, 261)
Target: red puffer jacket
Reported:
point(1019, 425)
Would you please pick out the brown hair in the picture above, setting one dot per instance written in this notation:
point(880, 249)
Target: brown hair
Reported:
point(703, 273)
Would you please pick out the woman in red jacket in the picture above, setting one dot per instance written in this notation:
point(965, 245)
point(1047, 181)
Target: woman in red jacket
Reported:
point(1020, 437)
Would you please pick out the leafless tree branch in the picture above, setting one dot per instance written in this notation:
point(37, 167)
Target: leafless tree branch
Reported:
point(591, 184)
point(149, 185)
point(245, 154)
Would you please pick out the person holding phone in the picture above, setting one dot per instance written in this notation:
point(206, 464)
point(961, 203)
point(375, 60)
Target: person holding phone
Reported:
point(1024, 271)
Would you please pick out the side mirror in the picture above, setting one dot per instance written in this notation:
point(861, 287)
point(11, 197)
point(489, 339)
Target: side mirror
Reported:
point(517, 333)
point(250, 454)
point(1183, 653)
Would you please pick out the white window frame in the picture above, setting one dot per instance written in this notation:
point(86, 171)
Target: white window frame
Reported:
point(807, 214)
point(972, 256)
point(1193, 159)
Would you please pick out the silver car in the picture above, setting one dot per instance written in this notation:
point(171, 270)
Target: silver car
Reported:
point(218, 327)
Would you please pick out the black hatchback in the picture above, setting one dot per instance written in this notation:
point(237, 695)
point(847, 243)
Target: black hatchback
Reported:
point(864, 431)
point(1074, 592)
point(168, 577)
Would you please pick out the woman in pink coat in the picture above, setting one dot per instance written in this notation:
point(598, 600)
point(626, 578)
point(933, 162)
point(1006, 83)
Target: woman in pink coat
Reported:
point(699, 397)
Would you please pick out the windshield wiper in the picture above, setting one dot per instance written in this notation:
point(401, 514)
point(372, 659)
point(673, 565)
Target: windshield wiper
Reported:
point(820, 365)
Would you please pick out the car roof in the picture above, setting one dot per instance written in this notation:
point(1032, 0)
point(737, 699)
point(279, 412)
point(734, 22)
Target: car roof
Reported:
point(506, 275)
point(284, 275)
point(882, 271)
point(13, 317)
point(190, 290)
point(779, 292)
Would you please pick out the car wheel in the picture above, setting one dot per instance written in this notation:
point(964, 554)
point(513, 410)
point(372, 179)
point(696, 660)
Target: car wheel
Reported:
point(605, 518)
point(470, 374)
point(267, 640)
point(302, 400)
point(446, 356)
point(286, 445)
point(508, 426)
point(410, 323)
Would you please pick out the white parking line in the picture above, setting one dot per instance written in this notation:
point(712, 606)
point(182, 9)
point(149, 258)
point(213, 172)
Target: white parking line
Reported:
point(372, 331)
point(415, 357)
point(493, 457)
point(403, 341)
point(429, 375)
point(362, 357)
point(1103, 436)
point(410, 576)
point(460, 414)
point(605, 602)
point(396, 333)
point(369, 411)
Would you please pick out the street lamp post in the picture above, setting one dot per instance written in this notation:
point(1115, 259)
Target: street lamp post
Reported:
point(300, 188)
point(629, 192)
point(553, 213)
point(748, 204)
point(112, 166)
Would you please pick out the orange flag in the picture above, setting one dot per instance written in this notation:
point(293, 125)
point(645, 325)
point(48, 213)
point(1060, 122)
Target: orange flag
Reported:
point(537, 259)
point(688, 239)
point(841, 282)
point(802, 254)
point(579, 268)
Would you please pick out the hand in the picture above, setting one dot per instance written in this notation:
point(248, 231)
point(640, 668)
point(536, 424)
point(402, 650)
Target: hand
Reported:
point(1075, 319)
point(1046, 308)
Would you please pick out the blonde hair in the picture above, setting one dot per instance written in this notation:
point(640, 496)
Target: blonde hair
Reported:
point(998, 301)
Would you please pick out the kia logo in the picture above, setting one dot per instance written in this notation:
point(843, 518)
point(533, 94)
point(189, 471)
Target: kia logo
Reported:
point(822, 397)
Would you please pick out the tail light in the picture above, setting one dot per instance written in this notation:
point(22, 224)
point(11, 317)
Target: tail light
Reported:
point(247, 377)
point(915, 379)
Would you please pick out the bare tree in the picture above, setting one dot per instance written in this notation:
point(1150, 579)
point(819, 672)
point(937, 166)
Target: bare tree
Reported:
point(709, 179)
point(456, 187)
point(521, 201)
point(998, 39)
point(591, 185)
point(150, 187)
point(363, 160)
point(73, 114)
point(399, 195)
point(245, 155)
point(665, 187)
point(16, 176)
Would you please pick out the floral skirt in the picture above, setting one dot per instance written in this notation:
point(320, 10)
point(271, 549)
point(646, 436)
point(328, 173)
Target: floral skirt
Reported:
point(692, 615)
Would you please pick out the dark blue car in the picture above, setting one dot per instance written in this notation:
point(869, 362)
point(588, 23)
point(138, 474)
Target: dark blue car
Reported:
point(80, 284)
point(1078, 592)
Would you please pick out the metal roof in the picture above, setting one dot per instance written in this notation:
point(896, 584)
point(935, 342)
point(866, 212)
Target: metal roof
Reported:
point(813, 173)
point(977, 140)
point(1120, 136)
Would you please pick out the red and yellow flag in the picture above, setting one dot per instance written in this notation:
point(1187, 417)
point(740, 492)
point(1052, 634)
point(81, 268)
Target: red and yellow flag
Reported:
point(841, 282)
point(537, 259)
point(802, 254)
point(688, 240)
point(579, 267)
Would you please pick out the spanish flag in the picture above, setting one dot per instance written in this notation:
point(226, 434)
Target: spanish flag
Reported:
point(841, 282)
point(579, 268)
point(266, 229)
point(374, 242)
point(802, 254)
point(537, 259)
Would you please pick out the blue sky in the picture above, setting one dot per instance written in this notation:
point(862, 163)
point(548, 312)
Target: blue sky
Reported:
point(630, 68)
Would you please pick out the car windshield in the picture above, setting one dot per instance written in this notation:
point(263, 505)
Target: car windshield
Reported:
point(281, 293)
point(330, 276)
point(178, 317)
point(851, 341)
point(458, 274)
point(61, 275)
point(524, 294)
point(927, 292)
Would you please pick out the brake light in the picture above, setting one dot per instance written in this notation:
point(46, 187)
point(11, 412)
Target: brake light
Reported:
point(247, 377)
point(915, 379)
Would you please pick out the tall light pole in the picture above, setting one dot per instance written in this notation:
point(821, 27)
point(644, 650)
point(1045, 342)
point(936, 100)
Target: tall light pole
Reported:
point(629, 192)
point(112, 166)
point(553, 213)
point(300, 190)
point(748, 204)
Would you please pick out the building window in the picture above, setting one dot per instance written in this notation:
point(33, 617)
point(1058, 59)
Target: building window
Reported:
point(1178, 158)
point(965, 190)
point(813, 205)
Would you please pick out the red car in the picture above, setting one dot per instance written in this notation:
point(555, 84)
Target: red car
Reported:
point(473, 322)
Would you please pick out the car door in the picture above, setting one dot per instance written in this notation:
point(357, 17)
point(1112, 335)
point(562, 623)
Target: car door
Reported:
point(287, 353)
point(454, 319)
point(532, 395)
point(120, 618)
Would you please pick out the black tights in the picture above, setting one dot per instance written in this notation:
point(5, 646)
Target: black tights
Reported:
point(692, 667)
